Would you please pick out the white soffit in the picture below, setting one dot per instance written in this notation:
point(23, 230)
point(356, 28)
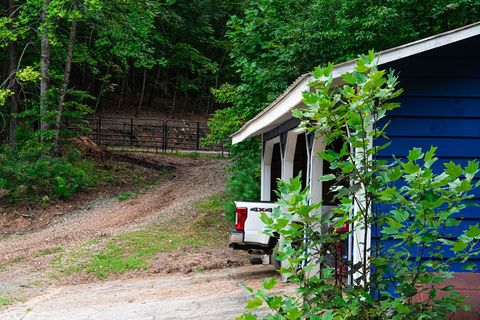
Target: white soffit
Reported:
point(279, 110)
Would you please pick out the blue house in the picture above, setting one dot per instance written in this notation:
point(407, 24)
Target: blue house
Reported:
point(440, 106)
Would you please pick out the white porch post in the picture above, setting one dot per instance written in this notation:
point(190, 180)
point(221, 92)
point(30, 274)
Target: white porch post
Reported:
point(316, 170)
point(266, 170)
point(291, 143)
point(316, 187)
point(360, 240)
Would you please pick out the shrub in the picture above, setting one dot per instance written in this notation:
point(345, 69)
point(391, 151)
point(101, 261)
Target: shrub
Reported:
point(244, 180)
point(30, 176)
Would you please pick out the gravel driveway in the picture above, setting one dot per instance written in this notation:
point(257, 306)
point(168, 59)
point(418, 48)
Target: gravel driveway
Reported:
point(211, 295)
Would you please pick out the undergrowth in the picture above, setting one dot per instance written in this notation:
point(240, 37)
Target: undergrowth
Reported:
point(32, 176)
point(126, 195)
point(6, 301)
point(49, 180)
point(177, 153)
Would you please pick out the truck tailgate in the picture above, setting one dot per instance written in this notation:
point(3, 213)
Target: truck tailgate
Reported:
point(254, 226)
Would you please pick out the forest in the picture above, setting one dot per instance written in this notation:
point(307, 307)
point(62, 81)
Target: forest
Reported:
point(62, 60)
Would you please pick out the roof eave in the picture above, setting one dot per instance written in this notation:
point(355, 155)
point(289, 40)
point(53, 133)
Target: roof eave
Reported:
point(293, 96)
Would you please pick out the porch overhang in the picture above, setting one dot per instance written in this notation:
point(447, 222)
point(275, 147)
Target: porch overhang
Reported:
point(279, 110)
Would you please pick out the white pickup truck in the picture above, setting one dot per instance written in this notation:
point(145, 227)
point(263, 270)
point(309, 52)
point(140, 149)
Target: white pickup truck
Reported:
point(248, 234)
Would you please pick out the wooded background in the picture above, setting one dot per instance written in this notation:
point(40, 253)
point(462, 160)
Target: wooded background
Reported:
point(66, 60)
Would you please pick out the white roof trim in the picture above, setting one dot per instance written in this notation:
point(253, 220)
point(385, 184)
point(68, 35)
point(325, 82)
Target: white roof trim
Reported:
point(292, 97)
point(284, 104)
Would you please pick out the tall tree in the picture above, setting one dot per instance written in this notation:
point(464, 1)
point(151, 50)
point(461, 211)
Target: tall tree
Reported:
point(45, 56)
point(12, 49)
point(66, 78)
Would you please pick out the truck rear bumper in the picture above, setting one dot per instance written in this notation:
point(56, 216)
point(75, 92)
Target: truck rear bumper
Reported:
point(236, 237)
point(237, 243)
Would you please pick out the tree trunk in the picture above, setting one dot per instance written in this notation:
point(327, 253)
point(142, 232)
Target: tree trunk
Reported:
point(97, 104)
point(44, 67)
point(142, 94)
point(14, 84)
point(66, 81)
point(153, 90)
point(122, 96)
point(175, 94)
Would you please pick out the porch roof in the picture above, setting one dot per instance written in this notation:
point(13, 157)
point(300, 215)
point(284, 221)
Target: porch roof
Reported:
point(280, 109)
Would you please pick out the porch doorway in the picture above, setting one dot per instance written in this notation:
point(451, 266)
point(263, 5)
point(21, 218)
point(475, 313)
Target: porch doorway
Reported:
point(276, 171)
point(300, 159)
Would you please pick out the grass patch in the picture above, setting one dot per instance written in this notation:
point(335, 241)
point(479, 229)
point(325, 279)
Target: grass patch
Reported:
point(212, 205)
point(73, 261)
point(130, 251)
point(198, 155)
point(17, 260)
point(126, 195)
point(6, 301)
point(49, 251)
point(211, 216)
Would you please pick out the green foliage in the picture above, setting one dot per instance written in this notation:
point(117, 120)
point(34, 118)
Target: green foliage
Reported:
point(179, 46)
point(181, 40)
point(274, 42)
point(28, 74)
point(5, 301)
point(222, 124)
point(244, 180)
point(27, 175)
point(226, 93)
point(413, 205)
point(129, 45)
point(126, 196)
point(4, 94)
point(421, 222)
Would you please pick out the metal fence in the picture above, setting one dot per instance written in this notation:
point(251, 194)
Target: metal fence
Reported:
point(161, 135)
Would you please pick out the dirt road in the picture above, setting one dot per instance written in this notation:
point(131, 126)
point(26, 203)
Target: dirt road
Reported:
point(26, 265)
point(194, 179)
point(209, 295)
point(142, 295)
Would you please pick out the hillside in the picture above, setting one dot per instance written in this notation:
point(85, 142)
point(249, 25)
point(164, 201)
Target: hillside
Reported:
point(176, 225)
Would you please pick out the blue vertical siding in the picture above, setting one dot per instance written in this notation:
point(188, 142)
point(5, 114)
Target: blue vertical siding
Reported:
point(441, 107)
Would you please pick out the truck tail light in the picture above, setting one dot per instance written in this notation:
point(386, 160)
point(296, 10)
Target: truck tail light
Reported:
point(343, 228)
point(241, 218)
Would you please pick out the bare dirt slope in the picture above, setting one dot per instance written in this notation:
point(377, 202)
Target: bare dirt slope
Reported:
point(194, 179)
point(26, 272)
